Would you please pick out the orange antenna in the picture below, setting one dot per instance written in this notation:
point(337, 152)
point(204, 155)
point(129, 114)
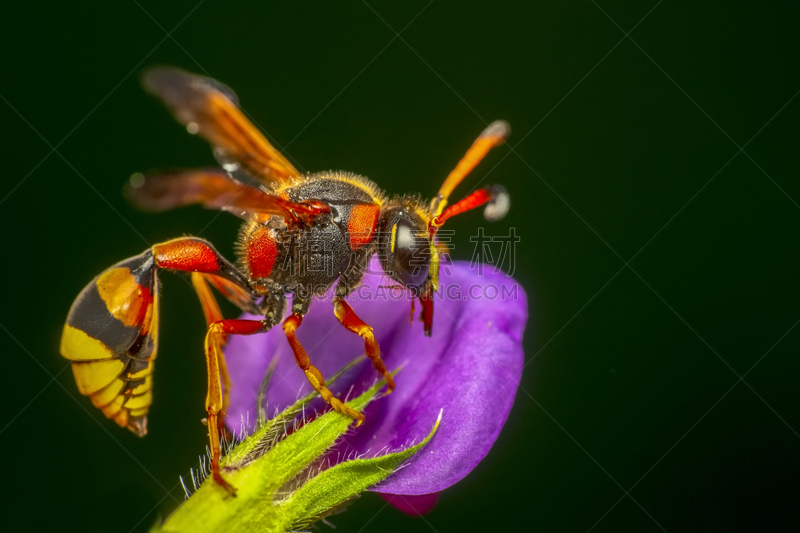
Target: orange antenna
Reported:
point(495, 197)
point(494, 134)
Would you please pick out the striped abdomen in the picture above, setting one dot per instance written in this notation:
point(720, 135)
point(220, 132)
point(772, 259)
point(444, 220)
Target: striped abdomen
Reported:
point(111, 338)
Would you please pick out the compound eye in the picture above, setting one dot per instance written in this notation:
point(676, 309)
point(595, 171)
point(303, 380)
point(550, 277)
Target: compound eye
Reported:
point(411, 255)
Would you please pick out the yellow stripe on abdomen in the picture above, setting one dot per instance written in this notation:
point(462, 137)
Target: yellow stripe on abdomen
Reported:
point(76, 345)
point(92, 376)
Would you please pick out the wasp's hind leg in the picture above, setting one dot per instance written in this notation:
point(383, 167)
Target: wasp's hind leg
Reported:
point(212, 313)
point(313, 375)
point(112, 329)
point(216, 399)
point(208, 266)
point(271, 306)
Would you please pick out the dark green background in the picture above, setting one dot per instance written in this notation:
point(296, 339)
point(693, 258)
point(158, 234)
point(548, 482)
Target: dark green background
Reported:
point(621, 148)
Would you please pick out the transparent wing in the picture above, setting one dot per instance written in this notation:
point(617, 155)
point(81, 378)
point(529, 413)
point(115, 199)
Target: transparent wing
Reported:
point(214, 189)
point(210, 109)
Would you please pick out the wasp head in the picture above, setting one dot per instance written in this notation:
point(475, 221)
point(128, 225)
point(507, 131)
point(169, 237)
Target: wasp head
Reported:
point(404, 244)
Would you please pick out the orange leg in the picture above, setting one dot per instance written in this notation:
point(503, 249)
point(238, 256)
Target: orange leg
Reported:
point(234, 294)
point(349, 319)
point(213, 314)
point(313, 375)
point(190, 254)
point(215, 399)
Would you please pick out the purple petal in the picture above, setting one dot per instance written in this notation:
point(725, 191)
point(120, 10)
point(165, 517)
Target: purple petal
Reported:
point(469, 368)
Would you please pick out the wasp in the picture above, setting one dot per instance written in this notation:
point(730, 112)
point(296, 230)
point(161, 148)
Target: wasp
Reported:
point(336, 220)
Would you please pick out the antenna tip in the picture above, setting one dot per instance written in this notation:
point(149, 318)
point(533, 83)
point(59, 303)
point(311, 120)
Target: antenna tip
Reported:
point(499, 130)
point(498, 206)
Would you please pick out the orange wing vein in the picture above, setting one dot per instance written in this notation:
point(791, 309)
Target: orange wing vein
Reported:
point(209, 108)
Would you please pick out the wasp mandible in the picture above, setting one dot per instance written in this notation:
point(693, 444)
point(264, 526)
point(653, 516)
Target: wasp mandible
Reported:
point(111, 333)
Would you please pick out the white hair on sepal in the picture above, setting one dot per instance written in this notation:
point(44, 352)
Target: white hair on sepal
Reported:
point(194, 479)
point(186, 490)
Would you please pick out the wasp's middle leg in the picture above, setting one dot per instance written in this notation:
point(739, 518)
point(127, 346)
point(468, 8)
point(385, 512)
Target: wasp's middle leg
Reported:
point(313, 375)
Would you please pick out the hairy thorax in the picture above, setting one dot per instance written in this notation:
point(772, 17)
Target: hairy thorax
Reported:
point(281, 260)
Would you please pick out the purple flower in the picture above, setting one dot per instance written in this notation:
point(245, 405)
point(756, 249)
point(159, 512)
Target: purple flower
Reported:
point(469, 368)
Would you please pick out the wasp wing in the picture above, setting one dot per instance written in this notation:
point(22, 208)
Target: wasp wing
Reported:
point(209, 108)
point(214, 189)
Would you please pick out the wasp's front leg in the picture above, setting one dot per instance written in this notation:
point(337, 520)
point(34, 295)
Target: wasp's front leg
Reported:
point(349, 319)
point(349, 281)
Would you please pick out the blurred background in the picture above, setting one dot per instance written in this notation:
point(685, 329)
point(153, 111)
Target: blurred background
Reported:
point(653, 171)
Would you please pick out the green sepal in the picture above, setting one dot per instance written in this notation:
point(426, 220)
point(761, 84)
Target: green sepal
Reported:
point(278, 479)
point(333, 487)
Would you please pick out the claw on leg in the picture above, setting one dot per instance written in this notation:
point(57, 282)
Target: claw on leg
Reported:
point(213, 434)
